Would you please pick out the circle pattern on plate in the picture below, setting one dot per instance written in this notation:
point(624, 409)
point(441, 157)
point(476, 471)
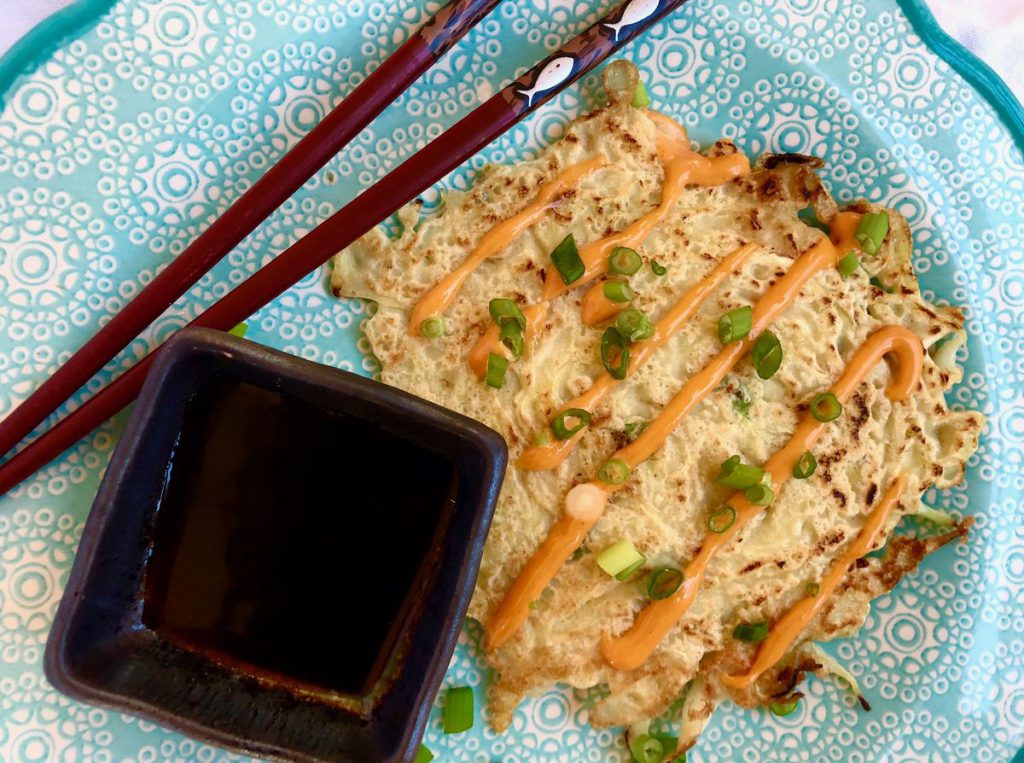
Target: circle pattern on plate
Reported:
point(123, 145)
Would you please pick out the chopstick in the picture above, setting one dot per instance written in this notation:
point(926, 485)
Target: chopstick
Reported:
point(310, 154)
point(401, 185)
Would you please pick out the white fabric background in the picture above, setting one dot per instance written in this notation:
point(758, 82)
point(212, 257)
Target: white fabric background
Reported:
point(992, 29)
point(18, 16)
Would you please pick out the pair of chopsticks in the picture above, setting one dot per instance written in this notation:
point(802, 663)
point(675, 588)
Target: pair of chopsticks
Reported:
point(404, 183)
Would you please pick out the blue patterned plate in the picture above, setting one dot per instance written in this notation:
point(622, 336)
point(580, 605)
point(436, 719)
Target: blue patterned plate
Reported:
point(124, 140)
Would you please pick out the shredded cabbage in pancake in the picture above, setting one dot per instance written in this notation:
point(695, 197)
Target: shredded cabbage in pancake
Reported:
point(663, 508)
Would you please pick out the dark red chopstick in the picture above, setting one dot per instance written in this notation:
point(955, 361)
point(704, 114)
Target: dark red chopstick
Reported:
point(403, 184)
point(310, 154)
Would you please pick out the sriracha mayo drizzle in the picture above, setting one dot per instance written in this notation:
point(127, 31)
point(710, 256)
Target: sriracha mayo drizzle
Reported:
point(562, 540)
point(597, 308)
point(548, 559)
point(444, 292)
point(682, 167)
point(771, 305)
point(629, 650)
point(583, 507)
point(775, 300)
point(539, 457)
point(585, 503)
point(791, 624)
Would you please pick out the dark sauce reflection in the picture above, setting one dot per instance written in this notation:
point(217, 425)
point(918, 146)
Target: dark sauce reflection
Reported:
point(292, 539)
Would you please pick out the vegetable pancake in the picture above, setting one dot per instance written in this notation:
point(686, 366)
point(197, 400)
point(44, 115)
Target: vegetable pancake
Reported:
point(714, 409)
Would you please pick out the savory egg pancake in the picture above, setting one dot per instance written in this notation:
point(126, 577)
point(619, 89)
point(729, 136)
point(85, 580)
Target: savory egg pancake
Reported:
point(726, 581)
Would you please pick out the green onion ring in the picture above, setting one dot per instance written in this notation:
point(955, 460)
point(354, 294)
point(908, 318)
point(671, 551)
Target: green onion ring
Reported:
point(826, 407)
point(615, 353)
point(564, 432)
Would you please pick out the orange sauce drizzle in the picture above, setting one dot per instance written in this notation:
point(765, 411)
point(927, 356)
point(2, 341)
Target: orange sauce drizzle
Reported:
point(629, 650)
point(596, 307)
point(772, 304)
point(562, 540)
point(791, 624)
point(540, 457)
point(548, 559)
point(682, 167)
point(491, 342)
point(444, 292)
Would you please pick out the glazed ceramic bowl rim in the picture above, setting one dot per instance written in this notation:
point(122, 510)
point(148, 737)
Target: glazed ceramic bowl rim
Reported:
point(479, 456)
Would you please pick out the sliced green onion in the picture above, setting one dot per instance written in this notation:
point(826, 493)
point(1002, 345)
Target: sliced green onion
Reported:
point(735, 324)
point(541, 438)
point(808, 216)
point(560, 426)
point(721, 520)
point(805, 466)
point(784, 708)
point(657, 268)
point(496, 368)
point(767, 355)
point(876, 281)
point(627, 573)
point(730, 464)
point(664, 582)
point(752, 633)
point(677, 706)
point(423, 755)
point(670, 743)
point(634, 429)
point(641, 98)
point(619, 558)
point(812, 589)
point(504, 310)
point(759, 495)
point(848, 265)
point(834, 668)
point(432, 327)
point(618, 291)
point(458, 710)
point(624, 261)
point(615, 353)
point(871, 232)
point(239, 330)
point(741, 476)
point(614, 471)
point(567, 262)
point(826, 407)
point(935, 351)
point(512, 337)
point(935, 516)
point(647, 748)
point(634, 325)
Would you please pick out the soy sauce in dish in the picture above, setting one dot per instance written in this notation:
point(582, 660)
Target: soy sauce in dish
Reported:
point(291, 540)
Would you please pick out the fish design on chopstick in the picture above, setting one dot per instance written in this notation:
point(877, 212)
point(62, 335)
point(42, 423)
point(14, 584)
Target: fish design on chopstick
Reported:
point(555, 72)
point(633, 13)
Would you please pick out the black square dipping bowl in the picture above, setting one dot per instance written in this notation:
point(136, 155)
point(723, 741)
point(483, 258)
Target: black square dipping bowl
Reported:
point(280, 556)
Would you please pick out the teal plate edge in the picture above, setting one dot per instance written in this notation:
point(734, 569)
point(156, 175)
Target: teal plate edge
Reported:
point(46, 37)
point(967, 65)
point(50, 33)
